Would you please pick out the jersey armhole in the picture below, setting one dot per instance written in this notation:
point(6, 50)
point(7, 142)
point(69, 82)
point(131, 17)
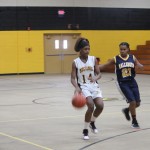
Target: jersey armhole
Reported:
point(94, 59)
point(134, 58)
point(75, 63)
point(115, 59)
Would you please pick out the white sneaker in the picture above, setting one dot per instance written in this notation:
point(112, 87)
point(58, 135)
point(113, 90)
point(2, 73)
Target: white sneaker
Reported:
point(93, 128)
point(86, 137)
point(85, 134)
point(95, 131)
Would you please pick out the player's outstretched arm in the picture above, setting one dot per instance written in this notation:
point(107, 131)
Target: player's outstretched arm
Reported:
point(138, 64)
point(107, 64)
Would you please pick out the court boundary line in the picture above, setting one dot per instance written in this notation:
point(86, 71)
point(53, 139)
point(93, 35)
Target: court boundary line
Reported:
point(111, 137)
point(24, 141)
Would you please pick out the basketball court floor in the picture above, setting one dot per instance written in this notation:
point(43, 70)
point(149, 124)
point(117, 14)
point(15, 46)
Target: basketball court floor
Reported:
point(36, 114)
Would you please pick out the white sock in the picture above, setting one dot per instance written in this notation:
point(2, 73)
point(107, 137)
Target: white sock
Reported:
point(93, 118)
point(86, 125)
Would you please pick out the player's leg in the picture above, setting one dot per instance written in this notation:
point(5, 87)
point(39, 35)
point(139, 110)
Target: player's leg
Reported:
point(128, 94)
point(136, 93)
point(137, 104)
point(99, 108)
point(98, 101)
point(125, 111)
point(132, 108)
point(90, 109)
point(88, 114)
point(127, 90)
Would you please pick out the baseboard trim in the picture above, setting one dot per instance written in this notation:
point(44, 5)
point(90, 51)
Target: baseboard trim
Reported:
point(27, 73)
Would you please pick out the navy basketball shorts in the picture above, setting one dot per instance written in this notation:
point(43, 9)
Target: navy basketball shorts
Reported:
point(130, 90)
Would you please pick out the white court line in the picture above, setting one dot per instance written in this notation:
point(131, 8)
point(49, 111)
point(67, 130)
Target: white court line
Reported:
point(61, 117)
point(35, 119)
point(24, 141)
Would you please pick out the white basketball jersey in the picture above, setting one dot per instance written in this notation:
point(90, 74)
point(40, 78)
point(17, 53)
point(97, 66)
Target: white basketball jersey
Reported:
point(85, 70)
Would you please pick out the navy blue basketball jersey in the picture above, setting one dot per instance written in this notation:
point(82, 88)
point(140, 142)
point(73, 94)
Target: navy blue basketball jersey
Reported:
point(125, 68)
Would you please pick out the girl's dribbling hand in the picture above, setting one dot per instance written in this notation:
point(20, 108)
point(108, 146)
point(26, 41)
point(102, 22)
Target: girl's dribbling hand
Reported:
point(77, 90)
point(91, 79)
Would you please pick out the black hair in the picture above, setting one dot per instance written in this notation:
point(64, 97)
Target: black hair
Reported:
point(80, 43)
point(125, 44)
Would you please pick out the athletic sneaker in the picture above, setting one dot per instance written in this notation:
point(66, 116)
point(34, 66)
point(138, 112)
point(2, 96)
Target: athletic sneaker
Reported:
point(85, 134)
point(125, 111)
point(93, 127)
point(135, 124)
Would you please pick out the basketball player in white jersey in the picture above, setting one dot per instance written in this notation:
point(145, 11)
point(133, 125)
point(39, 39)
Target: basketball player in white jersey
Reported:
point(84, 76)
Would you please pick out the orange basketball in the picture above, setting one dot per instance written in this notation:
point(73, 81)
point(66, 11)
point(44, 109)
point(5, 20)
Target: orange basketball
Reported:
point(78, 100)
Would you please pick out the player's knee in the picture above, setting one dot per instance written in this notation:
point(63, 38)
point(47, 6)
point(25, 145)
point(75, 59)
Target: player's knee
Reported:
point(137, 104)
point(100, 106)
point(91, 107)
point(133, 103)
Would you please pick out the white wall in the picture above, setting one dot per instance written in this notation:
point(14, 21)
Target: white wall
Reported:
point(79, 3)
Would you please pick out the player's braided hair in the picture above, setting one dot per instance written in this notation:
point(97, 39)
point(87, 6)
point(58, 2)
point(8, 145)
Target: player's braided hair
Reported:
point(80, 43)
point(125, 44)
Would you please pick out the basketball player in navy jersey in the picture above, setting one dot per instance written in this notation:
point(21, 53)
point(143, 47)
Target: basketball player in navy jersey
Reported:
point(125, 64)
point(84, 76)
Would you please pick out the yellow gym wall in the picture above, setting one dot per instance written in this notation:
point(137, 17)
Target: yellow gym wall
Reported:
point(105, 44)
point(23, 51)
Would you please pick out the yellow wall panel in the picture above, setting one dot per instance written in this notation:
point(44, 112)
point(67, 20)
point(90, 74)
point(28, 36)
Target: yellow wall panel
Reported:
point(16, 58)
point(105, 44)
point(8, 52)
point(31, 52)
